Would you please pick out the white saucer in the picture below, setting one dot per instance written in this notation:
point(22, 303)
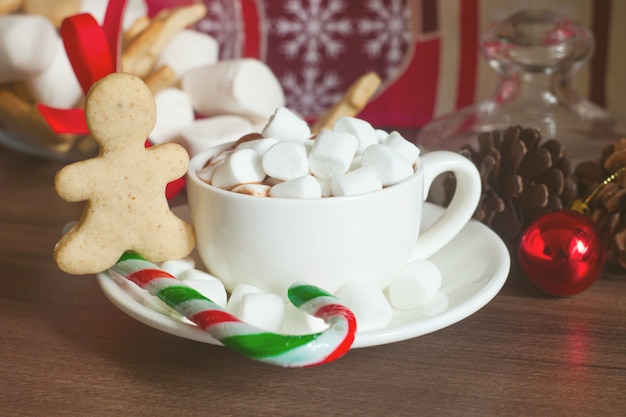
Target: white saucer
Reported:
point(474, 267)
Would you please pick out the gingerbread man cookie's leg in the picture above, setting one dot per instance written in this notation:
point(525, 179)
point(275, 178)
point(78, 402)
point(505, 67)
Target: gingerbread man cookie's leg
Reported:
point(84, 249)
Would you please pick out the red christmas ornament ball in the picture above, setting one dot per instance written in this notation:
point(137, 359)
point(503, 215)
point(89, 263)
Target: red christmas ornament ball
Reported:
point(562, 253)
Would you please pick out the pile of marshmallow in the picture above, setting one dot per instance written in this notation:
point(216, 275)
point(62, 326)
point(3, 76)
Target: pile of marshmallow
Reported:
point(286, 160)
point(201, 101)
point(415, 290)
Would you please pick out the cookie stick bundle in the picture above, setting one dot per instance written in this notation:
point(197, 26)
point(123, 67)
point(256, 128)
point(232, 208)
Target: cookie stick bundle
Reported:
point(55, 86)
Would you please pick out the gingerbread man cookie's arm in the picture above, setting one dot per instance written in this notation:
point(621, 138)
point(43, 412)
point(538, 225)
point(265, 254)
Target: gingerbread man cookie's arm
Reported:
point(176, 157)
point(76, 182)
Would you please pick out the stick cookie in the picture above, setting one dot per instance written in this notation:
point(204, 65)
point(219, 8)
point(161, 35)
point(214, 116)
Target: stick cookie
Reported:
point(124, 186)
point(351, 103)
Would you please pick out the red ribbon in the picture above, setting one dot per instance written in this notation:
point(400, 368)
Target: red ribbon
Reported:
point(93, 51)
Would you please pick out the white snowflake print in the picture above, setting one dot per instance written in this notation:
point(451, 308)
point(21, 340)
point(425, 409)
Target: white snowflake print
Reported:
point(313, 93)
point(223, 22)
point(312, 30)
point(387, 32)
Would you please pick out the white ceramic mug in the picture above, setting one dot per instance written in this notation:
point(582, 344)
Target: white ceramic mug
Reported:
point(272, 242)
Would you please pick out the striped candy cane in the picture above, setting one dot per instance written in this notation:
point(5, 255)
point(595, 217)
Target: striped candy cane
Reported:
point(276, 349)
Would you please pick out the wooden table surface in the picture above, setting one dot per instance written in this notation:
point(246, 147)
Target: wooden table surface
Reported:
point(65, 350)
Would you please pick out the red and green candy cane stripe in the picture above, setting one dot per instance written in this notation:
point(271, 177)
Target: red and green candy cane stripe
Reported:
point(277, 349)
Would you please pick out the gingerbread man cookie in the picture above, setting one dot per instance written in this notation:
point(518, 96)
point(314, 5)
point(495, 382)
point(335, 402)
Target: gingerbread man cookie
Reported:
point(124, 186)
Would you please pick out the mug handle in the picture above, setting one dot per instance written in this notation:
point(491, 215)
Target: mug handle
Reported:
point(461, 208)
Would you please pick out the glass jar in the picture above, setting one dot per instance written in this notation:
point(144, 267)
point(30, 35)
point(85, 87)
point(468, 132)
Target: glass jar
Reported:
point(536, 54)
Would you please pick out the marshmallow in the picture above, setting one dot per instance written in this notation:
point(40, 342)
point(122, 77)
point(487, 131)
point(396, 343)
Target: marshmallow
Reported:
point(28, 46)
point(240, 167)
point(415, 285)
point(408, 150)
point(188, 49)
point(265, 311)
point(285, 125)
point(177, 266)
point(236, 296)
point(206, 173)
point(325, 187)
point(286, 161)
point(174, 111)
point(367, 302)
point(259, 145)
point(359, 181)
point(57, 85)
point(390, 166)
point(203, 134)
point(301, 187)
point(332, 153)
point(196, 274)
point(356, 163)
point(221, 157)
point(134, 10)
point(256, 190)
point(363, 131)
point(213, 289)
point(381, 134)
point(296, 321)
point(246, 87)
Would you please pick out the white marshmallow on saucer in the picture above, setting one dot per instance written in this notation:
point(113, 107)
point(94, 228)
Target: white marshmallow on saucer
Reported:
point(259, 145)
point(301, 187)
point(240, 167)
point(361, 180)
point(176, 267)
point(57, 85)
point(286, 161)
point(286, 125)
point(332, 153)
point(188, 49)
point(298, 322)
point(246, 87)
point(28, 46)
point(408, 150)
point(134, 10)
point(174, 112)
point(203, 134)
point(234, 301)
point(213, 289)
point(197, 275)
point(415, 285)
point(388, 163)
point(364, 132)
point(265, 311)
point(368, 303)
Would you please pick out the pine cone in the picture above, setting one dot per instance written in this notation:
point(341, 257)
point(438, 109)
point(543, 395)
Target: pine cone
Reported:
point(521, 179)
point(607, 207)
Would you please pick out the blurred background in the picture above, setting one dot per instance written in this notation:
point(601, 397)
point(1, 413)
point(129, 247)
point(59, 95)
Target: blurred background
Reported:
point(426, 51)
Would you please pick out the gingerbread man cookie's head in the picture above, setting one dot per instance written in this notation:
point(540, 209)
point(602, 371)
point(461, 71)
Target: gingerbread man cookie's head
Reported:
point(124, 186)
point(121, 111)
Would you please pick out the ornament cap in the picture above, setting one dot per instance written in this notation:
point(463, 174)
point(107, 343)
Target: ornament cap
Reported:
point(579, 206)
